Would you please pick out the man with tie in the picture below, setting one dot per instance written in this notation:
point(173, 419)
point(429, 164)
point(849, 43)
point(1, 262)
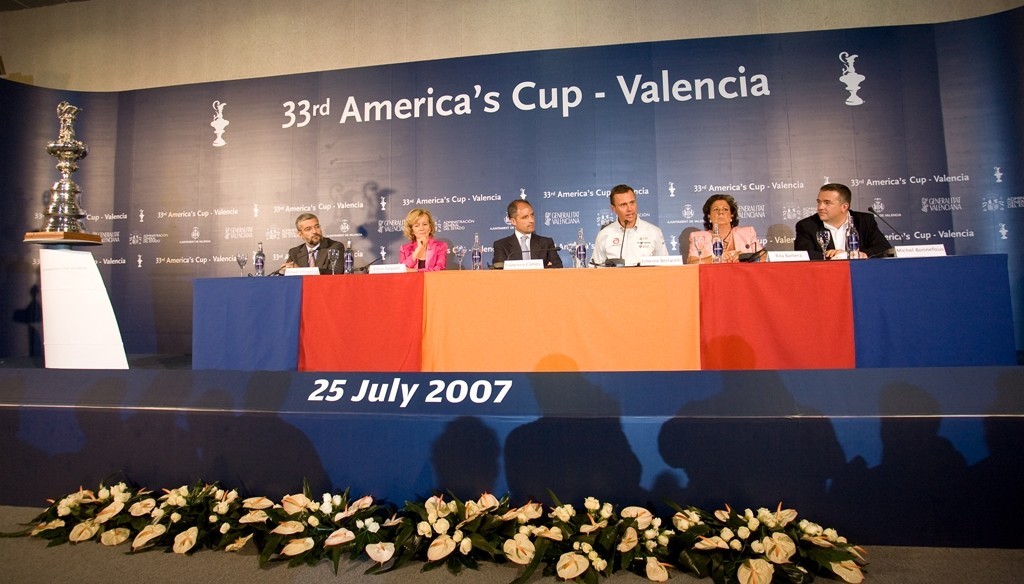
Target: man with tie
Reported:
point(524, 243)
point(312, 252)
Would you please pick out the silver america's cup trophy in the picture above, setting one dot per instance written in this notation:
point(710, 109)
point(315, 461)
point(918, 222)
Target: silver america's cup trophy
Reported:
point(64, 213)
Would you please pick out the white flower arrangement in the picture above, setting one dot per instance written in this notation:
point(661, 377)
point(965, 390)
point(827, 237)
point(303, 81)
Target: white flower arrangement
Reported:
point(578, 545)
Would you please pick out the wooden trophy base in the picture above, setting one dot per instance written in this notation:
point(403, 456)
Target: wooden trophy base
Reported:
point(62, 238)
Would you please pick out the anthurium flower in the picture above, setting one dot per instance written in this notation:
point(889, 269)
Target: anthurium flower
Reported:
point(257, 503)
point(756, 571)
point(563, 513)
point(293, 504)
point(339, 537)
point(440, 547)
point(655, 570)
point(629, 540)
point(45, 526)
point(552, 533)
point(779, 548)
point(710, 543)
point(109, 511)
point(488, 501)
point(848, 570)
point(143, 507)
point(238, 544)
point(519, 550)
point(115, 536)
point(255, 516)
point(186, 540)
point(289, 528)
point(571, 565)
point(380, 552)
point(393, 521)
point(148, 533)
point(84, 531)
point(354, 507)
point(592, 527)
point(643, 516)
point(297, 546)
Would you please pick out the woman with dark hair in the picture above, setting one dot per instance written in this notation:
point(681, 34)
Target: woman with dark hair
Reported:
point(721, 210)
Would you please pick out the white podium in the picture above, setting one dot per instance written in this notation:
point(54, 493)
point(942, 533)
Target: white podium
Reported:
point(79, 327)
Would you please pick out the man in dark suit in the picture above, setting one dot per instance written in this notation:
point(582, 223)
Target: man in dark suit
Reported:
point(834, 215)
point(312, 252)
point(520, 215)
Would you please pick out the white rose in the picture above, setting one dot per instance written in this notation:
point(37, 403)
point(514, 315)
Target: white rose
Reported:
point(591, 504)
point(743, 532)
point(441, 526)
point(225, 527)
point(423, 528)
point(735, 544)
point(727, 534)
point(175, 517)
point(313, 521)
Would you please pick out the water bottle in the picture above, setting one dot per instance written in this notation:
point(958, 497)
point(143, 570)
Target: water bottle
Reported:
point(350, 258)
point(260, 260)
point(717, 247)
point(477, 253)
point(580, 252)
point(852, 242)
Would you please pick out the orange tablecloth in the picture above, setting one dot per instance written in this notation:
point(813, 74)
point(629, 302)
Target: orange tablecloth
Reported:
point(622, 319)
point(351, 323)
point(777, 316)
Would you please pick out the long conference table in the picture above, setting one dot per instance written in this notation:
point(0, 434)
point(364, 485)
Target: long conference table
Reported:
point(924, 312)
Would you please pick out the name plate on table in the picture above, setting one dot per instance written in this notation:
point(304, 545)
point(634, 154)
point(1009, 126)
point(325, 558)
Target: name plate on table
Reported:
point(921, 251)
point(668, 260)
point(302, 271)
point(388, 269)
point(523, 265)
point(788, 256)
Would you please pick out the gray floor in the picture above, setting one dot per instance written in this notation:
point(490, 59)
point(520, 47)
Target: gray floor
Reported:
point(30, 560)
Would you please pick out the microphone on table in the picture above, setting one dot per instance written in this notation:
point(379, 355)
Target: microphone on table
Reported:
point(367, 266)
point(895, 232)
point(754, 255)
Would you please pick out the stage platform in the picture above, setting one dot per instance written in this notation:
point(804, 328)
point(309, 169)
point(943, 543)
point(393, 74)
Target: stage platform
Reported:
point(918, 456)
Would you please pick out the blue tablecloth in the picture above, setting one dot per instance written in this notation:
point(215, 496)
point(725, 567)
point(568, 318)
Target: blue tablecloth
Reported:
point(933, 312)
point(248, 324)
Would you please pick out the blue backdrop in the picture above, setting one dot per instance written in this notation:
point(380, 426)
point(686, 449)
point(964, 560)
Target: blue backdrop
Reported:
point(925, 126)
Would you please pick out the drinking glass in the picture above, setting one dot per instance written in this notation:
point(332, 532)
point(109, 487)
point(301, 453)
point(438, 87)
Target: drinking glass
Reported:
point(241, 258)
point(823, 238)
point(699, 242)
point(332, 259)
point(460, 253)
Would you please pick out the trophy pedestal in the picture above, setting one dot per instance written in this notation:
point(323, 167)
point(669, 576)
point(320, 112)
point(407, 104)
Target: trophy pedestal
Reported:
point(79, 327)
point(62, 238)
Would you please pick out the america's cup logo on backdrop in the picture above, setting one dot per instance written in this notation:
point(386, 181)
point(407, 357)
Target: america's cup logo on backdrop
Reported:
point(671, 189)
point(998, 173)
point(1002, 230)
point(219, 123)
point(851, 78)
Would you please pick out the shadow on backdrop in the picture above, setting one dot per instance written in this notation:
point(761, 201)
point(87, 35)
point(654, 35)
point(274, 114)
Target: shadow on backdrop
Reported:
point(253, 449)
point(465, 458)
point(916, 495)
point(751, 445)
point(577, 448)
